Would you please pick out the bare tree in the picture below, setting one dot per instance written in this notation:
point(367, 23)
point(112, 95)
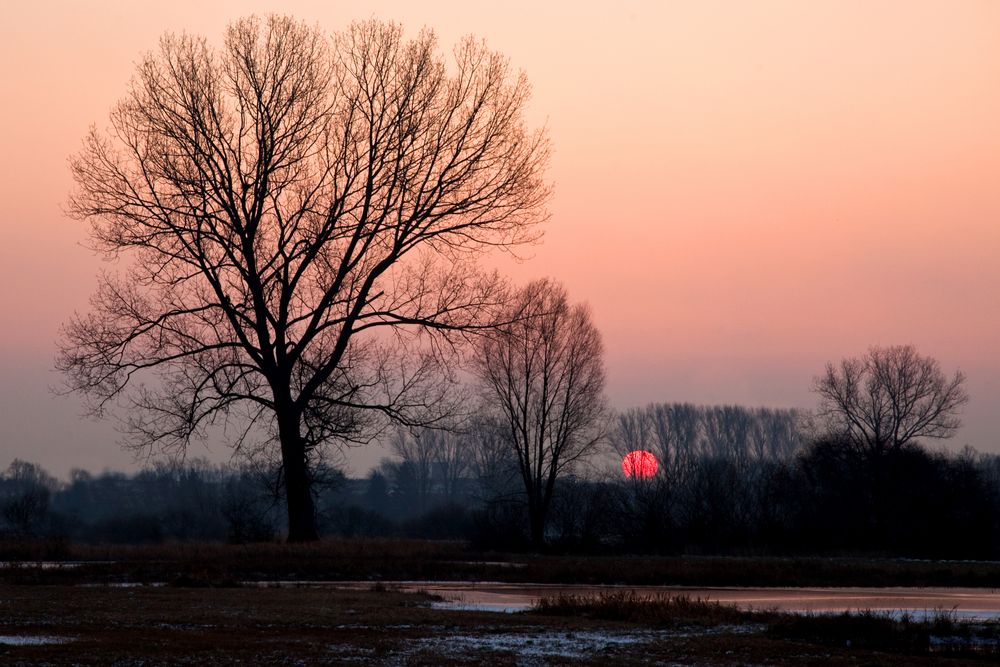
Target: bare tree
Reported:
point(439, 459)
point(727, 430)
point(452, 459)
point(491, 460)
point(418, 454)
point(888, 398)
point(776, 434)
point(25, 492)
point(678, 429)
point(281, 201)
point(543, 376)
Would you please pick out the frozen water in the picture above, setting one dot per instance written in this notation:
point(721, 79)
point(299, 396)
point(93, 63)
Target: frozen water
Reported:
point(919, 603)
point(495, 596)
point(497, 607)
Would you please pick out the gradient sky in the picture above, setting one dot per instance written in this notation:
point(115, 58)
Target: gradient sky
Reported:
point(744, 190)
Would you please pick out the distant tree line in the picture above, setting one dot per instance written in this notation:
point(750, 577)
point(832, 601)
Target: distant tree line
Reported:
point(192, 502)
point(535, 466)
point(794, 495)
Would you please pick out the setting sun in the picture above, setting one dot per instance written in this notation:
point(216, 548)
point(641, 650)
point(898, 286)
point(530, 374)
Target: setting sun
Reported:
point(640, 464)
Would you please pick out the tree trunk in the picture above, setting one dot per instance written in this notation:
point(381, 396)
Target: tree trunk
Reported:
point(298, 483)
point(536, 521)
point(537, 531)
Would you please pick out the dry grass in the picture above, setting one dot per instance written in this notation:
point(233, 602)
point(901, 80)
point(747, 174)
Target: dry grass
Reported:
point(905, 635)
point(372, 559)
point(222, 564)
point(633, 607)
point(941, 633)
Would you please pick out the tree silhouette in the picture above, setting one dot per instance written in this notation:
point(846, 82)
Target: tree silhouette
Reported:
point(280, 202)
point(543, 381)
point(890, 397)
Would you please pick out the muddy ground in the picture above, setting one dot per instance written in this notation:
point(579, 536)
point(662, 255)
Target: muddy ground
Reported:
point(213, 604)
point(170, 625)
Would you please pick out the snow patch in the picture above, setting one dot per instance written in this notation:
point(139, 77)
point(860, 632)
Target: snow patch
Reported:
point(497, 607)
point(539, 644)
point(48, 564)
point(534, 644)
point(33, 640)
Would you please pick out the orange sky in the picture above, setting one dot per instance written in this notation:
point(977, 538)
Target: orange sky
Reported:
point(743, 190)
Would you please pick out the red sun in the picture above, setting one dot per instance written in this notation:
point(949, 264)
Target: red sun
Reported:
point(640, 464)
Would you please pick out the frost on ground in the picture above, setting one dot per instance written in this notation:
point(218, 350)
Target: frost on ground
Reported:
point(940, 643)
point(533, 646)
point(537, 644)
point(43, 564)
point(499, 607)
point(32, 640)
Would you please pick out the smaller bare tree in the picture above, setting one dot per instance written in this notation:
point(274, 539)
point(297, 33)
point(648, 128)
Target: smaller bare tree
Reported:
point(25, 492)
point(439, 459)
point(888, 398)
point(491, 461)
point(451, 459)
point(543, 379)
point(418, 453)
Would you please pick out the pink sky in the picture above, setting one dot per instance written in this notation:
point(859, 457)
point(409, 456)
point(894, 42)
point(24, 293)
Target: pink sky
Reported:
point(743, 190)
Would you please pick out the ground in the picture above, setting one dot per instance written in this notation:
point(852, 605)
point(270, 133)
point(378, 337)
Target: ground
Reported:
point(146, 625)
point(221, 605)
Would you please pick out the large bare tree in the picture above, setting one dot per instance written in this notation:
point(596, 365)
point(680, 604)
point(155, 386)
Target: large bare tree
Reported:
point(543, 378)
point(282, 200)
point(888, 398)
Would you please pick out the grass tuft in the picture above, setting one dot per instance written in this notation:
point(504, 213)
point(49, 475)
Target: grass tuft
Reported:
point(630, 606)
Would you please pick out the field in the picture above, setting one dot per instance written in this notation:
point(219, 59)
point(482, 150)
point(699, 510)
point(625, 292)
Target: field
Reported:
point(380, 560)
point(189, 604)
point(223, 626)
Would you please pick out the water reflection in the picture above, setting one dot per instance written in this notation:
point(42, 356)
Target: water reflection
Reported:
point(507, 597)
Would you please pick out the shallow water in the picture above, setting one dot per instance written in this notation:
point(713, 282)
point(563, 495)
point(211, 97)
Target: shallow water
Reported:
point(920, 602)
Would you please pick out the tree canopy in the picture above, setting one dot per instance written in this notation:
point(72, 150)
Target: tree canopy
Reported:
point(279, 202)
point(890, 397)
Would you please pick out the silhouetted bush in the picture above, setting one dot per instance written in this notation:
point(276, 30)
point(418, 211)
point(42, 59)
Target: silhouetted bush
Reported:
point(579, 518)
point(449, 521)
point(356, 521)
point(132, 529)
point(905, 502)
point(500, 525)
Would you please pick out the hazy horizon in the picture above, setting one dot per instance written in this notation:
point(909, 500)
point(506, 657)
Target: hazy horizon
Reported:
point(742, 193)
